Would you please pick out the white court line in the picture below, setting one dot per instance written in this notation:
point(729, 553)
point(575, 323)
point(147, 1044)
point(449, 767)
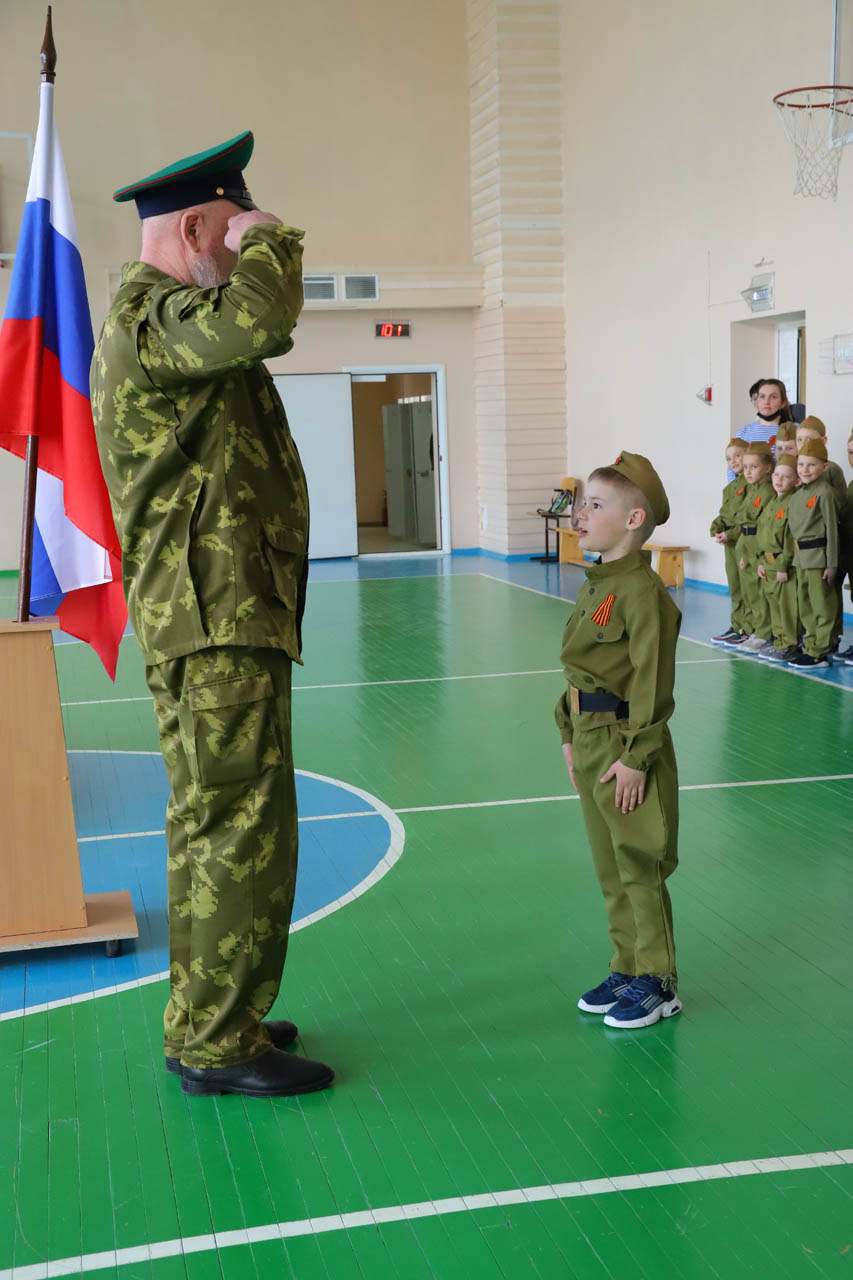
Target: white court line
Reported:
point(490, 804)
point(396, 841)
point(394, 850)
point(382, 1215)
point(368, 684)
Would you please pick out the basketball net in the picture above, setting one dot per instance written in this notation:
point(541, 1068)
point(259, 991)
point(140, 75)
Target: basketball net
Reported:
point(819, 122)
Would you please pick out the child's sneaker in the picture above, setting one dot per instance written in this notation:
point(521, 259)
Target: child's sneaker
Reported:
point(753, 645)
point(783, 655)
point(846, 656)
point(805, 662)
point(605, 995)
point(767, 650)
point(736, 641)
point(731, 633)
point(645, 1001)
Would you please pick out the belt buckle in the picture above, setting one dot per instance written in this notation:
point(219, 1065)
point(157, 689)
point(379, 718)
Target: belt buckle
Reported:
point(574, 700)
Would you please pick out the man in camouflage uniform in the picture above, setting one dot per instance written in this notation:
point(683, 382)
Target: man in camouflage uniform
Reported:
point(211, 508)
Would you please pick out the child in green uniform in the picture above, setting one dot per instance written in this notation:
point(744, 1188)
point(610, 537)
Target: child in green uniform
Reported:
point(776, 563)
point(847, 539)
point(786, 438)
point(813, 521)
point(813, 429)
point(725, 529)
point(618, 656)
point(757, 469)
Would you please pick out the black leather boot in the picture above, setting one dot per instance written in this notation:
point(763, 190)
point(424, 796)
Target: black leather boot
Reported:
point(272, 1075)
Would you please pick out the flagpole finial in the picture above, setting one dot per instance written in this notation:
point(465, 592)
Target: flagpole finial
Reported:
point(48, 51)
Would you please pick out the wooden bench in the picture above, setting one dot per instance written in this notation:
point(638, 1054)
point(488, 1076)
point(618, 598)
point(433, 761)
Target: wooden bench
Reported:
point(569, 548)
point(670, 565)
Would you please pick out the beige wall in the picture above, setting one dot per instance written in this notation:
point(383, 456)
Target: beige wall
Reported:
point(360, 118)
point(674, 153)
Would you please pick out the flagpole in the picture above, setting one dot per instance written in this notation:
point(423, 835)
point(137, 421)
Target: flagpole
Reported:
point(47, 57)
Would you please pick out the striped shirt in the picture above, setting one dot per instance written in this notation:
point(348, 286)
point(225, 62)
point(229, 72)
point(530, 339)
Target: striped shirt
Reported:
point(753, 431)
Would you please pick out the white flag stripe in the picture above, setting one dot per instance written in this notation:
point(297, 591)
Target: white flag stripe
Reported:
point(76, 560)
point(47, 176)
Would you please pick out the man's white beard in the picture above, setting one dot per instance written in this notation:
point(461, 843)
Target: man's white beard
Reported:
point(206, 273)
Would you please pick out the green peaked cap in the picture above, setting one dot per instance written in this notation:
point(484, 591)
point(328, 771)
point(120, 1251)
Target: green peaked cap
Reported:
point(215, 174)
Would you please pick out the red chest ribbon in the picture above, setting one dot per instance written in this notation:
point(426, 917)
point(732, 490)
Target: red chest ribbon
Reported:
point(601, 617)
point(812, 500)
point(780, 515)
point(756, 502)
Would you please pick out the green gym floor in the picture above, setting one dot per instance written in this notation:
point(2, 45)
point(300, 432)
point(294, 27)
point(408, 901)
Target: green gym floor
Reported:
point(480, 1126)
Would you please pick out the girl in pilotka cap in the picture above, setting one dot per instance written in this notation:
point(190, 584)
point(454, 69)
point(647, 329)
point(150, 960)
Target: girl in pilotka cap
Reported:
point(619, 660)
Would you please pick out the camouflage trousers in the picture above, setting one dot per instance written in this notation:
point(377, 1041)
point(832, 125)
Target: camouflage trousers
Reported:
point(223, 716)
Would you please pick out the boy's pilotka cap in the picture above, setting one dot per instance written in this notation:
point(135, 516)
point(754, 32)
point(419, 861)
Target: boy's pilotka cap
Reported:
point(737, 443)
point(759, 448)
point(641, 473)
point(786, 460)
point(786, 430)
point(813, 449)
point(215, 174)
point(813, 424)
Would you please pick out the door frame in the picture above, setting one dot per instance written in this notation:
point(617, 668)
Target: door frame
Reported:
point(439, 370)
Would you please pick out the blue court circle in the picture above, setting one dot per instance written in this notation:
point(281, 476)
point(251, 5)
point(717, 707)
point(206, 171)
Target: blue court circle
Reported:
point(347, 840)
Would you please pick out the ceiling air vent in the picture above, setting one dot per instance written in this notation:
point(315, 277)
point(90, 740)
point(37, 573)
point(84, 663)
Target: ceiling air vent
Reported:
point(319, 288)
point(361, 288)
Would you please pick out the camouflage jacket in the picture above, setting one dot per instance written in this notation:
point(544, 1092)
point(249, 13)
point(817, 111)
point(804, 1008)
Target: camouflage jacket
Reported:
point(206, 485)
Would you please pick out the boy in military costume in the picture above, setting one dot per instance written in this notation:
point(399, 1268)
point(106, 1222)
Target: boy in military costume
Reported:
point(725, 529)
point(813, 521)
point(776, 563)
point(846, 527)
point(618, 656)
point(757, 469)
point(211, 509)
point(786, 439)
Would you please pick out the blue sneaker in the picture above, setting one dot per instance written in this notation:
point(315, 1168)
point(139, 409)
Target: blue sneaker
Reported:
point(646, 1000)
point(605, 995)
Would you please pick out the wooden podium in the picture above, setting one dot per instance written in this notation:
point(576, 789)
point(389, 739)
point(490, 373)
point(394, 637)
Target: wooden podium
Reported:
point(42, 903)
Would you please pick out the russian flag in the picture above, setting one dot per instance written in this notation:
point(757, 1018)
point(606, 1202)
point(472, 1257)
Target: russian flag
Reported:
point(46, 347)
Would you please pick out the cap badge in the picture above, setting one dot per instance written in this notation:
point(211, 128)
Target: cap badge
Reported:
point(220, 191)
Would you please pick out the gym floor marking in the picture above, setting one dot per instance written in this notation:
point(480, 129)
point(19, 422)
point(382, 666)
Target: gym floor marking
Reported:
point(423, 1209)
point(446, 999)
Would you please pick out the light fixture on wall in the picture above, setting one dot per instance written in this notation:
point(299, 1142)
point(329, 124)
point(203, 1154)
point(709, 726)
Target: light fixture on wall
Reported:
point(759, 295)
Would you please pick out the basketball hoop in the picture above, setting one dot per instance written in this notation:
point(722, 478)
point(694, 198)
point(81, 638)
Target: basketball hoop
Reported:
point(819, 122)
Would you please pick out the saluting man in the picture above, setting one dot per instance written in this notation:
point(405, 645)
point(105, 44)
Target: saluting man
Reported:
point(211, 508)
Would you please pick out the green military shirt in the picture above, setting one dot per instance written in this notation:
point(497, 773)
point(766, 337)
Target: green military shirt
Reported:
point(835, 476)
point(621, 639)
point(206, 485)
point(775, 542)
point(813, 513)
point(752, 504)
point(726, 521)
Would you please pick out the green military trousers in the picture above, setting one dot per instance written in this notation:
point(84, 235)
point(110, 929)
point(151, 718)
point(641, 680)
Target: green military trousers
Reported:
point(633, 853)
point(223, 717)
point(818, 605)
point(740, 620)
point(755, 601)
point(784, 611)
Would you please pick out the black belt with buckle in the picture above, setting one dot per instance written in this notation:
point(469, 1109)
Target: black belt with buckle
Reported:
point(603, 702)
point(808, 544)
point(748, 529)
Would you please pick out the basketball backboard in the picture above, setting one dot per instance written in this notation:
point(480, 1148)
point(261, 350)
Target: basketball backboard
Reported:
point(841, 67)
